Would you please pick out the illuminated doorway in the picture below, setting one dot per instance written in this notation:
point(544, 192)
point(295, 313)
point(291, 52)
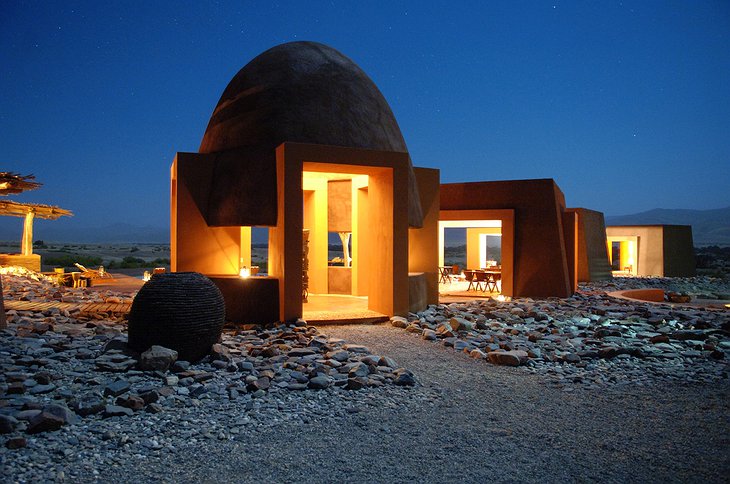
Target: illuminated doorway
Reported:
point(470, 257)
point(623, 255)
point(336, 258)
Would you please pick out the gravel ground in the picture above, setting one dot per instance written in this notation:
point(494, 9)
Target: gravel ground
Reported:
point(467, 422)
point(636, 417)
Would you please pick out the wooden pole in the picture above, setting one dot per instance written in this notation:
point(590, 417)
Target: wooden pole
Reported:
point(26, 244)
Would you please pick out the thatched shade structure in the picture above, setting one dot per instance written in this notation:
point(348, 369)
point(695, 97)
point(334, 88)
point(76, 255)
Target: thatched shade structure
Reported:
point(13, 183)
point(28, 211)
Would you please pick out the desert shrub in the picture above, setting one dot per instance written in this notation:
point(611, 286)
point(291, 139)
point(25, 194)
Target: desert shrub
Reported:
point(68, 260)
point(131, 262)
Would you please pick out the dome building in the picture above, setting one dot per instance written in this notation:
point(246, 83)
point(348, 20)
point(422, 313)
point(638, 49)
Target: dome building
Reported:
point(304, 143)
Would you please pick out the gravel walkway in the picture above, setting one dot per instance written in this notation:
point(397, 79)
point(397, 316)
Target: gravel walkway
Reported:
point(468, 422)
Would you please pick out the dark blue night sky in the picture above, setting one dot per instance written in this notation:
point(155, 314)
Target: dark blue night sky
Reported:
point(625, 104)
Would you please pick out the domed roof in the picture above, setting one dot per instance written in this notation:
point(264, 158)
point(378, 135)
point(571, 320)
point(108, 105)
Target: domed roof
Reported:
point(302, 92)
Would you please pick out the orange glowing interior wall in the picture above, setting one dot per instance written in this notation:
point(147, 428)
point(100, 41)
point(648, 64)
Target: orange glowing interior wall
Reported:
point(245, 248)
point(360, 275)
point(473, 252)
point(629, 257)
point(507, 219)
point(315, 220)
point(317, 212)
point(386, 237)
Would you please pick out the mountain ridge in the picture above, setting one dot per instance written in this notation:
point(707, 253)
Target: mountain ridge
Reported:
point(709, 227)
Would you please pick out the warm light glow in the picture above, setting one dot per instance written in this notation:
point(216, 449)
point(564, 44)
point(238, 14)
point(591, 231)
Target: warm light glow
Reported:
point(501, 298)
point(244, 272)
point(22, 271)
point(146, 276)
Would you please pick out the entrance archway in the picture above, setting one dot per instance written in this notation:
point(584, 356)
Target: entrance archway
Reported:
point(481, 223)
point(380, 249)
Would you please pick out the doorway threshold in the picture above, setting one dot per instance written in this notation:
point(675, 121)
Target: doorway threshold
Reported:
point(324, 309)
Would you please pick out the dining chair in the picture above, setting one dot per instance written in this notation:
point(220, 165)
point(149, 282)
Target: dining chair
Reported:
point(481, 278)
point(469, 277)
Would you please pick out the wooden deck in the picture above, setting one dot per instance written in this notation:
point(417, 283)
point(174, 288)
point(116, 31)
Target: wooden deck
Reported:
point(83, 308)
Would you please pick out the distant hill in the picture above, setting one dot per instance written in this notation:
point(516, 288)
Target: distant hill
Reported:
point(11, 228)
point(67, 231)
point(709, 227)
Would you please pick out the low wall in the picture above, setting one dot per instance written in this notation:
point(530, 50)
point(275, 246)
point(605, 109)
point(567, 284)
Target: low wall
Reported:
point(417, 291)
point(31, 262)
point(646, 295)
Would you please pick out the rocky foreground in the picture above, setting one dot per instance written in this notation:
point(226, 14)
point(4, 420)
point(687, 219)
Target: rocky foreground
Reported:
point(592, 339)
point(74, 400)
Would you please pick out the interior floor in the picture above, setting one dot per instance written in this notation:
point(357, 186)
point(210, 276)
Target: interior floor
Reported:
point(339, 309)
point(460, 288)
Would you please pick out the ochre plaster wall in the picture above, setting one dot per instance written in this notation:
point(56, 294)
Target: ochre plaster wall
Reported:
point(360, 254)
point(570, 237)
point(339, 206)
point(315, 219)
point(31, 262)
point(540, 261)
point(679, 256)
point(472, 244)
point(592, 253)
point(649, 247)
point(423, 242)
point(194, 246)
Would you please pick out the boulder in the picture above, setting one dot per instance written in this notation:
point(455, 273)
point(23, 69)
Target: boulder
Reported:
point(508, 358)
point(45, 422)
point(319, 382)
point(117, 411)
point(461, 324)
point(403, 377)
point(7, 424)
point(157, 358)
point(429, 335)
point(88, 405)
point(116, 388)
point(398, 322)
point(359, 369)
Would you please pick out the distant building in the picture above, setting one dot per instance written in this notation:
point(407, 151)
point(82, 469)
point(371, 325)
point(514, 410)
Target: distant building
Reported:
point(651, 250)
point(544, 247)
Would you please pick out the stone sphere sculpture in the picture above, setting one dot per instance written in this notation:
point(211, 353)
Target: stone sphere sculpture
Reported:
point(183, 311)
